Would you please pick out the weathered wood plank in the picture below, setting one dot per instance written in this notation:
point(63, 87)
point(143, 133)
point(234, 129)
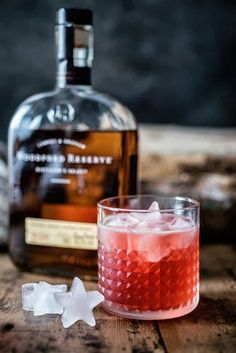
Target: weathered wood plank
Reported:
point(212, 326)
point(21, 332)
point(131, 336)
point(196, 162)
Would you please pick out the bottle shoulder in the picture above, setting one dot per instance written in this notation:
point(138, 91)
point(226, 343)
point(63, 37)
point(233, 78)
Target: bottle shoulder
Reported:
point(75, 108)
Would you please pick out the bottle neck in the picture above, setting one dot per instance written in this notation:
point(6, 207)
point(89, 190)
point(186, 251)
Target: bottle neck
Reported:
point(72, 79)
point(74, 45)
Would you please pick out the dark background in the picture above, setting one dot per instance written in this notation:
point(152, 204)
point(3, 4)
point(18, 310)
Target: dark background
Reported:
point(169, 61)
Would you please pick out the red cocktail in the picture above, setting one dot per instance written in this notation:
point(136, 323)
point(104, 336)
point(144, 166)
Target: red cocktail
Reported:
point(148, 260)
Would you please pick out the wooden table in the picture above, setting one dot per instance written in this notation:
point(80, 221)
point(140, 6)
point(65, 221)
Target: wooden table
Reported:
point(194, 162)
point(210, 328)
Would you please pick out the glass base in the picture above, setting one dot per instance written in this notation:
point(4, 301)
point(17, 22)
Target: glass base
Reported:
point(149, 315)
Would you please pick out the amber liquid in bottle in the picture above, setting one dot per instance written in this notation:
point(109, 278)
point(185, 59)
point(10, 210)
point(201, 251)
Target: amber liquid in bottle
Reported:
point(49, 195)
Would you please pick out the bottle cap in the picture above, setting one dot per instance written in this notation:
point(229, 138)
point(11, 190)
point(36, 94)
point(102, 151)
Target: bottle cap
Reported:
point(74, 16)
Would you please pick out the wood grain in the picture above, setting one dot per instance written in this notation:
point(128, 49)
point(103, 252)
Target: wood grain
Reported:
point(210, 328)
point(193, 162)
point(21, 332)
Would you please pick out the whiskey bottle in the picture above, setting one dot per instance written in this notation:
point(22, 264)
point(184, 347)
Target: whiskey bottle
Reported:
point(68, 148)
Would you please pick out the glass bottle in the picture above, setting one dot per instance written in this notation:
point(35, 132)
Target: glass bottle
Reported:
point(68, 149)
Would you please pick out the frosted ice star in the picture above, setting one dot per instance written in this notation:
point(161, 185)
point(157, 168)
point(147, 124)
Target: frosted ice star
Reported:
point(38, 297)
point(44, 299)
point(78, 304)
point(28, 296)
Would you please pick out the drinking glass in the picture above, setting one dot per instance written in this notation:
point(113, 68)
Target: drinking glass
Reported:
point(148, 256)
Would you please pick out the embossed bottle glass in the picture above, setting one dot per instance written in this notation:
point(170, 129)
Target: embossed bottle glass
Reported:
point(68, 149)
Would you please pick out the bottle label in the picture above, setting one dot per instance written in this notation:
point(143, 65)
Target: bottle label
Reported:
point(59, 176)
point(61, 233)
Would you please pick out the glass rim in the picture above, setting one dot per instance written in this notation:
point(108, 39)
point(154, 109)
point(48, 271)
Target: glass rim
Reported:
point(193, 203)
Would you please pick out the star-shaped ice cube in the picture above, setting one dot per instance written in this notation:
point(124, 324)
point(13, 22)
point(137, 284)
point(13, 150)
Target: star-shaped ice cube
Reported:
point(38, 297)
point(78, 304)
point(44, 300)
